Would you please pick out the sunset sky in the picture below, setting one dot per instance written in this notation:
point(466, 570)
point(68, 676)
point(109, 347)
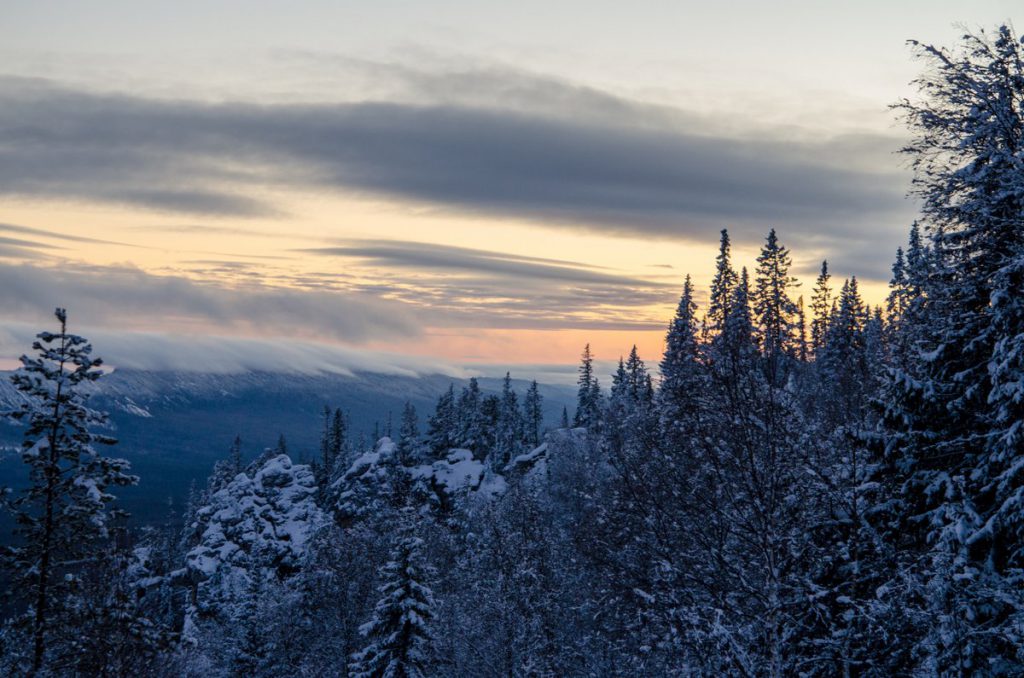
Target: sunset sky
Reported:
point(241, 184)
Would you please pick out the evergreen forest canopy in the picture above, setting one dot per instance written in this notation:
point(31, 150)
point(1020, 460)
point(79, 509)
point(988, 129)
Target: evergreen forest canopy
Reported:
point(815, 491)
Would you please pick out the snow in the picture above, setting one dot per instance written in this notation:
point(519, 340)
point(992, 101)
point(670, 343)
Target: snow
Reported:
point(456, 473)
point(266, 518)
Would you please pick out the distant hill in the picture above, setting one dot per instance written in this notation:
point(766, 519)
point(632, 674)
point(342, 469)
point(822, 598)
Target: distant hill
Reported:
point(173, 426)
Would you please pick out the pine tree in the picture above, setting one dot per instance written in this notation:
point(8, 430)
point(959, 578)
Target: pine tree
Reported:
point(681, 378)
point(533, 414)
point(801, 331)
point(338, 448)
point(905, 305)
point(471, 419)
point(896, 302)
point(399, 635)
point(735, 345)
point(565, 417)
point(773, 308)
point(333, 442)
point(842, 361)
point(408, 435)
point(323, 466)
point(722, 286)
point(821, 307)
point(64, 510)
point(639, 391)
point(953, 416)
point(588, 399)
point(509, 425)
point(442, 427)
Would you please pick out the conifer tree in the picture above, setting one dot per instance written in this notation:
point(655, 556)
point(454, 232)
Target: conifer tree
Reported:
point(408, 435)
point(442, 426)
point(509, 425)
point(338, 442)
point(64, 511)
point(323, 465)
point(680, 371)
point(588, 399)
point(821, 307)
point(471, 419)
point(533, 414)
point(773, 308)
point(843, 361)
point(639, 392)
point(953, 416)
point(399, 637)
point(896, 302)
point(722, 286)
point(801, 330)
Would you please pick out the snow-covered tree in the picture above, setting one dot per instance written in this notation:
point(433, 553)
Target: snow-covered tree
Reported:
point(399, 635)
point(508, 434)
point(953, 410)
point(443, 425)
point(63, 513)
point(773, 307)
point(588, 399)
point(471, 419)
point(821, 308)
point(533, 414)
point(722, 286)
point(408, 435)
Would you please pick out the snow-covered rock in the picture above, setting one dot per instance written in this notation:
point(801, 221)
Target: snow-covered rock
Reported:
point(262, 520)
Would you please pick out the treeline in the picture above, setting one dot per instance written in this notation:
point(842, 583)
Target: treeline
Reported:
point(819, 491)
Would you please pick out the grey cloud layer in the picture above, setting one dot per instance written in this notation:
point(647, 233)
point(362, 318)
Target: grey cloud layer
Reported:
point(479, 288)
point(430, 256)
point(621, 172)
point(130, 298)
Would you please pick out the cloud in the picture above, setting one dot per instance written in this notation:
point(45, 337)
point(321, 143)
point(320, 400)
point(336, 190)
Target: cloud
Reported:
point(465, 287)
point(28, 230)
point(133, 299)
point(431, 256)
point(624, 170)
point(159, 351)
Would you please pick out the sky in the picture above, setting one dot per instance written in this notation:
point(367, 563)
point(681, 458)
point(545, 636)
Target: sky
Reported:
point(457, 185)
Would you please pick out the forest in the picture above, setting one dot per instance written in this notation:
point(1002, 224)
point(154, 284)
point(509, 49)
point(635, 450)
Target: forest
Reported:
point(819, 488)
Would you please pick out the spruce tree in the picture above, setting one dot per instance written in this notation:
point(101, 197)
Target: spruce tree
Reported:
point(533, 414)
point(774, 310)
point(681, 378)
point(821, 307)
point(64, 511)
point(471, 419)
point(442, 427)
point(338, 446)
point(722, 286)
point(509, 425)
point(801, 331)
point(953, 416)
point(408, 435)
point(588, 398)
point(399, 636)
